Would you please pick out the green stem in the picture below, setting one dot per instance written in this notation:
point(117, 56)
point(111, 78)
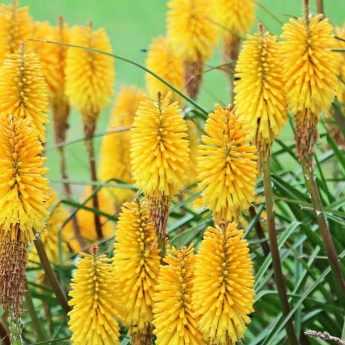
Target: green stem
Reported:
point(36, 325)
point(324, 228)
point(15, 329)
point(277, 267)
point(51, 276)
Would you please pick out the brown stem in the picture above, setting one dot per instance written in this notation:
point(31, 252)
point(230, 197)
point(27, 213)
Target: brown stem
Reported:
point(324, 229)
point(260, 232)
point(51, 276)
point(89, 131)
point(324, 336)
point(68, 193)
point(143, 338)
point(193, 76)
point(4, 334)
point(278, 274)
point(320, 7)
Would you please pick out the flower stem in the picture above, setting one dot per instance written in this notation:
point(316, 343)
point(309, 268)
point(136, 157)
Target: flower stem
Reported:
point(15, 329)
point(278, 274)
point(4, 335)
point(36, 325)
point(320, 6)
point(51, 276)
point(89, 131)
point(324, 229)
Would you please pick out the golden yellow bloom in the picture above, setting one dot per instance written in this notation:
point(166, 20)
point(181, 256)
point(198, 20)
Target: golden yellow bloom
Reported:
point(340, 32)
point(310, 72)
point(51, 235)
point(175, 319)
point(163, 60)
point(24, 189)
point(16, 27)
point(115, 148)
point(89, 75)
point(190, 28)
point(227, 165)
point(235, 16)
point(96, 303)
point(136, 263)
point(194, 141)
point(310, 67)
point(23, 90)
point(260, 99)
point(225, 298)
point(159, 148)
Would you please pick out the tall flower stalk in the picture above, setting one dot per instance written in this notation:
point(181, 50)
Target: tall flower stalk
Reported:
point(310, 91)
point(89, 84)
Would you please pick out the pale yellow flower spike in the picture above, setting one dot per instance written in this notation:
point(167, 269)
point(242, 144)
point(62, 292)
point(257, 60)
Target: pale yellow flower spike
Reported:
point(136, 263)
point(115, 148)
point(16, 27)
point(234, 16)
point(193, 34)
point(173, 294)
point(311, 75)
point(89, 75)
point(23, 90)
point(224, 299)
point(260, 99)
point(96, 303)
point(227, 165)
point(163, 60)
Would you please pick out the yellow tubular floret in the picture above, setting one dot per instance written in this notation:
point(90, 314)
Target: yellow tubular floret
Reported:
point(163, 60)
point(227, 167)
point(175, 319)
point(96, 303)
point(136, 263)
point(259, 90)
point(159, 147)
point(224, 299)
point(89, 74)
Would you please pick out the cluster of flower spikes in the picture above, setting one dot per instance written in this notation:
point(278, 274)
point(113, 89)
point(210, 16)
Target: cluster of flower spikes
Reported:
point(310, 75)
point(115, 147)
point(227, 165)
point(97, 303)
point(89, 74)
point(24, 196)
point(16, 27)
point(193, 35)
point(173, 293)
point(159, 154)
point(163, 60)
point(224, 299)
point(53, 61)
point(23, 90)
point(260, 100)
point(136, 264)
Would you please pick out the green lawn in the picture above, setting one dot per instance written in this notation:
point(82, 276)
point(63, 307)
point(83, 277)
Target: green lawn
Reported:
point(132, 25)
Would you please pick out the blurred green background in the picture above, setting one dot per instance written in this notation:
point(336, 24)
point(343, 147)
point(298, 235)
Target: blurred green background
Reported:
point(131, 26)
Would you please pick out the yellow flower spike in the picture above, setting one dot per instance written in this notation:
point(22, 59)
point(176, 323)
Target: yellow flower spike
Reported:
point(115, 148)
point(163, 60)
point(16, 27)
point(96, 303)
point(136, 263)
point(340, 32)
point(194, 141)
point(89, 75)
point(159, 155)
point(224, 299)
point(23, 90)
point(175, 319)
point(227, 165)
point(234, 16)
point(24, 189)
point(310, 72)
point(159, 147)
point(260, 99)
point(193, 34)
